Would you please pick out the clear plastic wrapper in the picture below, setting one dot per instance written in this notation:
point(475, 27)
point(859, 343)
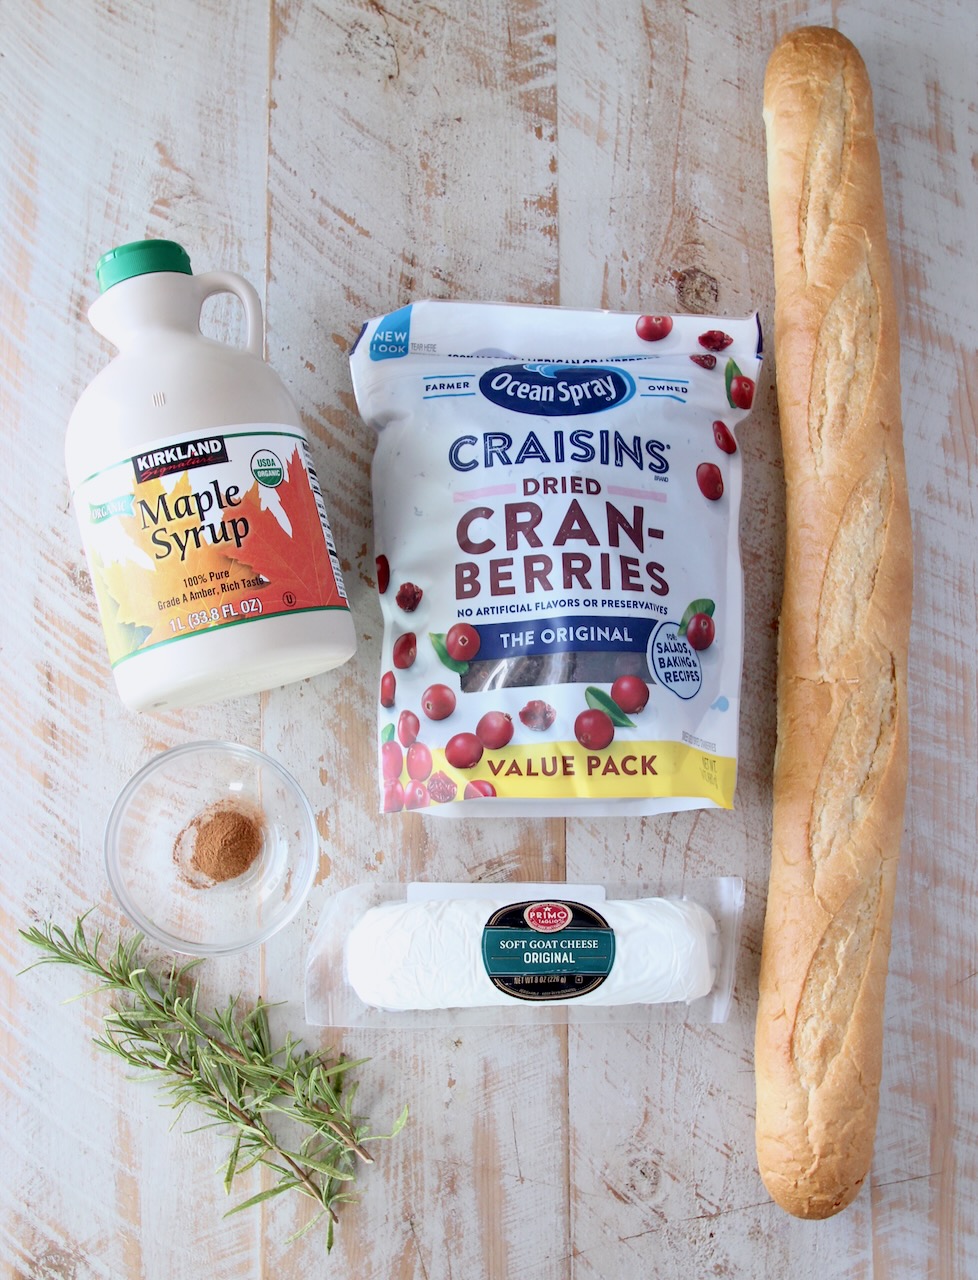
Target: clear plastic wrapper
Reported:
point(449, 955)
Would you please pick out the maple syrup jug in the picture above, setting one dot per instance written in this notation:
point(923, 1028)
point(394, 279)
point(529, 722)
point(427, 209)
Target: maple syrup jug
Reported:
point(201, 515)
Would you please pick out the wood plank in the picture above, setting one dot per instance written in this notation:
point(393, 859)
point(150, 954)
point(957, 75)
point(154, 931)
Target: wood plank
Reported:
point(663, 1140)
point(103, 142)
point(412, 155)
point(926, 1142)
point(667, 1188)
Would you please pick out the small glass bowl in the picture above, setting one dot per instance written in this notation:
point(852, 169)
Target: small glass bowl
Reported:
point(150, 841)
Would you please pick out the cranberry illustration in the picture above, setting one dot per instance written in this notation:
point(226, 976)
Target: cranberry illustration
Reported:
point(391, 759)
point(630, 693)
point(405, 650)
point(408, 597)
point(705, 362)
point(710, 480)
point(388, 689)
point(700, 630)
point(538, 715)
point(478, 789)
point(393, 796)
point(438, 702)
point(494, 730)
point(653, 328)
point(418, 761)
point(742, 392)
point(383, 574)
point(408, 728)
point(594, 730)
point(416, 796)
point(715, 340)
point(724, 437)
point(462, 642)
point(463, 751)
point(442, 788)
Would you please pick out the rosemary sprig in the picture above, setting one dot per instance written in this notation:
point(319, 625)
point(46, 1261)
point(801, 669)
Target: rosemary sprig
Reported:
point(226, 1064)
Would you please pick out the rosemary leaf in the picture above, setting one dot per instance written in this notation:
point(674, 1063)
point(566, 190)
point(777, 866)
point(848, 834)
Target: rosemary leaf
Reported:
point(224, 1064)
point(313, 1221)
point(284, 1185)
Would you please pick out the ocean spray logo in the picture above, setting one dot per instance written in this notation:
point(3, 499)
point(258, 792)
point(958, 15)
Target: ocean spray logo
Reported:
point(556, 390)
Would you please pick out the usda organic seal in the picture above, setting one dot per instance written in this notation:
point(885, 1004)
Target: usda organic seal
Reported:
point(267, 468)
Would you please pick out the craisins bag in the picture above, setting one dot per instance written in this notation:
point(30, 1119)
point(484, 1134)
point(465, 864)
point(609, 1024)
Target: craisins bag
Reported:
point(556, 500)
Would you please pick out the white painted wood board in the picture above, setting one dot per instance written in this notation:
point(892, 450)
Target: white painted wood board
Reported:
point(347, 157)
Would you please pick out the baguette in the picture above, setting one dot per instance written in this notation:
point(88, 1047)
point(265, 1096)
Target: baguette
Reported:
point(841, 760)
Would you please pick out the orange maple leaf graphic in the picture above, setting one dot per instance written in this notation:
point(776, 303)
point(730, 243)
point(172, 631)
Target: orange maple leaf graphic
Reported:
point(135, 590)
point(296, 565)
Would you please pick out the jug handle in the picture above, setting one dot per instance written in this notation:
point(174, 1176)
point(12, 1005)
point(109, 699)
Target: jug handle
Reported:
point(210, 283)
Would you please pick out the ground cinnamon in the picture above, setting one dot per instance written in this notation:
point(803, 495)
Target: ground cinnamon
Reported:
point(226, 842)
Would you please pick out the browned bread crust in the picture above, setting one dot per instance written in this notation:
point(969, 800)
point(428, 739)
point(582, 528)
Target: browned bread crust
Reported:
point(841, 761)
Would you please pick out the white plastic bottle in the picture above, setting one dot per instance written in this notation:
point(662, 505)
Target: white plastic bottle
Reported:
point(199, 508)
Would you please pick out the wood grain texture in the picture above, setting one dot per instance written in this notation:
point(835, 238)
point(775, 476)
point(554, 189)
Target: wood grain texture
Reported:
point(347, 157)
point(388, 166)
point(85, 172)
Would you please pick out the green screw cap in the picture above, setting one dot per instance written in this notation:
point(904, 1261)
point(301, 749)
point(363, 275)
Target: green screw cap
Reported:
point(138, 258)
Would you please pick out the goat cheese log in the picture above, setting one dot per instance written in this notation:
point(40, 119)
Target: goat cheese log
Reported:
point(429, 955)
point(841, 762)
